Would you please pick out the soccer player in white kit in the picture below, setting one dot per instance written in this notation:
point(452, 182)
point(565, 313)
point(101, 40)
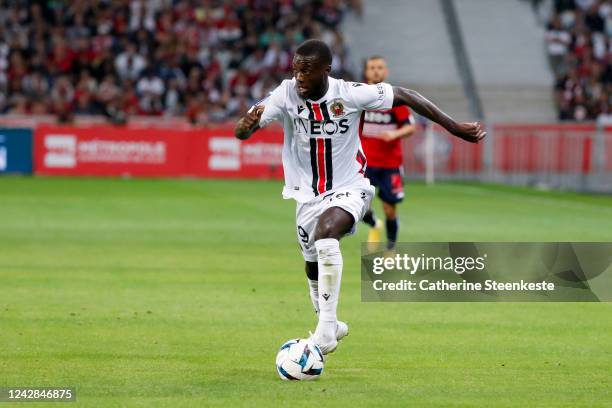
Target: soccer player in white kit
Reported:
point(324, 164)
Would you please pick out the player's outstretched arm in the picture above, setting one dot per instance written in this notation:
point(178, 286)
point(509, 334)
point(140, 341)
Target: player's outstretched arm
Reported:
point(469, 131)
point(249, 123)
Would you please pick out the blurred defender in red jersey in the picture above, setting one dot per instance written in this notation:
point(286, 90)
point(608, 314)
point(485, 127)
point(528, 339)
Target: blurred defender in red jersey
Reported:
point(381, 138)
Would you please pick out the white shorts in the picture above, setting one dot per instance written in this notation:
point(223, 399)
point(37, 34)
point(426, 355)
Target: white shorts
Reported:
point(354, 200)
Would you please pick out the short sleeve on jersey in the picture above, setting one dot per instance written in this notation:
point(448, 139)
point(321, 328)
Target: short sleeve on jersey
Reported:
point(273, 105)
point(371, 97)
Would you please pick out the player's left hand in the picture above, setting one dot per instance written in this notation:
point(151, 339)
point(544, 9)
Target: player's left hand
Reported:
point(469, 131)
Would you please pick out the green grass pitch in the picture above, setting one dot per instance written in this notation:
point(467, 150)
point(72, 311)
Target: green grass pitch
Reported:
point(179, 292)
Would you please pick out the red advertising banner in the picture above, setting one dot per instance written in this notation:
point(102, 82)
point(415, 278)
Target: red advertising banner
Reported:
point(102, 150)
point(608, 149)
point(562, 148)
point(451, 155)
point(110, 151)
point(123, 151)
point(217, 153)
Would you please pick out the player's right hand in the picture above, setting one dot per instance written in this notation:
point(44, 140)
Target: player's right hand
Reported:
point(248, 122)
point(252, 118)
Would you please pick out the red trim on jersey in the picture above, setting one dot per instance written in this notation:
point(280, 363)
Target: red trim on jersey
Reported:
point(361, 159)
point(317, 111)
point(361, 121)
point(321, 164)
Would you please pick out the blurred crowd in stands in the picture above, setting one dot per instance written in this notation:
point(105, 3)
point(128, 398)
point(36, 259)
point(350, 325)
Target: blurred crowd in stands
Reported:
point(211, 59)
point(579, 44)
point(207, 59)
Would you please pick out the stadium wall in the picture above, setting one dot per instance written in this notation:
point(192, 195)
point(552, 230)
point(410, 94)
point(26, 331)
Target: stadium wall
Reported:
point(142, 152)
point(15, 151)
point(574, 157)
point(560, 156)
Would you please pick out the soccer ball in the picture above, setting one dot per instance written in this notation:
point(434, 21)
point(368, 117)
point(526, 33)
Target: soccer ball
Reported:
point(299, 359)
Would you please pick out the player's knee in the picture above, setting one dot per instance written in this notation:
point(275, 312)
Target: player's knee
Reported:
point(334, 223)
point(326, 229)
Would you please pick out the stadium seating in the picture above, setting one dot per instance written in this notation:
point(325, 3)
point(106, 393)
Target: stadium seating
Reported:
point(207, 60)
point(512, 85)
point(508, 61)
point(579, 44)
point(414, 40)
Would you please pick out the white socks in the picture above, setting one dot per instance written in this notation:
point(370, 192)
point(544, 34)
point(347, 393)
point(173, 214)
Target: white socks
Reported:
point(313, 285)
point(330, 275)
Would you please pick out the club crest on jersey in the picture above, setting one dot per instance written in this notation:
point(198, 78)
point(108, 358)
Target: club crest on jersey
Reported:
point(337, 108)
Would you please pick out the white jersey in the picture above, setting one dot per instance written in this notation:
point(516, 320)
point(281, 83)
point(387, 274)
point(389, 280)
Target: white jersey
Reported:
point(322, 151)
